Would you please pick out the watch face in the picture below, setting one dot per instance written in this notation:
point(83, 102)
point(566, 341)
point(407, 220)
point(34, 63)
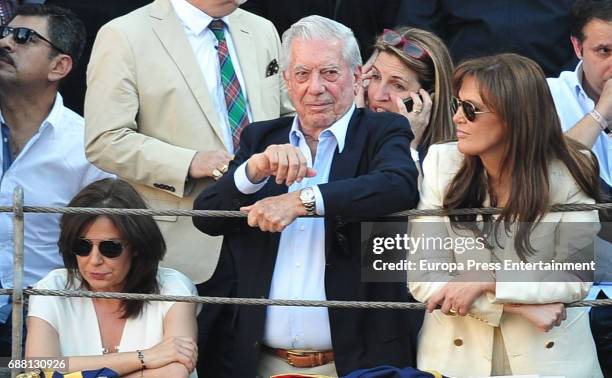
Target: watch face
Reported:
point(307, 195)
point(307, 198)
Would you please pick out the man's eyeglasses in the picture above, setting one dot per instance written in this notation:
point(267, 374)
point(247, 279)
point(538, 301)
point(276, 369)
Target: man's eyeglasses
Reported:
point(469, 110)
point(108, 248)
point(394, 39)
point(24, 35)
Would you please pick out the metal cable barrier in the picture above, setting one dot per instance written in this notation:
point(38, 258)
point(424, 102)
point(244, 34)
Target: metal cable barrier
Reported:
point(254, 301)
point(18, 210)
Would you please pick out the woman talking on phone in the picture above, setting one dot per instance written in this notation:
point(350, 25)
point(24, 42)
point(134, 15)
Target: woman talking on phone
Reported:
point(410, 73)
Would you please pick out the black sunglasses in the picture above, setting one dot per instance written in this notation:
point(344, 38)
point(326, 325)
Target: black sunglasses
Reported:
point(24, 35)
point(394, 39)
point(108, 248)
point(469, 110)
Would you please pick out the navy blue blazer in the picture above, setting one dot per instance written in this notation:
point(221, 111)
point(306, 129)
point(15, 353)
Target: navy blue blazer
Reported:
point(538, 29)
point(373, 176)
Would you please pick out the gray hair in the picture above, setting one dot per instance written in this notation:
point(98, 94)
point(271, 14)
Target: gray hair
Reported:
point(321, 28)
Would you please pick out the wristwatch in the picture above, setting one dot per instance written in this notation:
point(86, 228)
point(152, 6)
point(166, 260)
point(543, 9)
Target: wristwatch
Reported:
point(307, 196)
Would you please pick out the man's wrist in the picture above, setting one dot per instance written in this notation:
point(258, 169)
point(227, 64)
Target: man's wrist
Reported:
point(299, 206)
point(602, 121)
point(252, 176)
point(191, 170)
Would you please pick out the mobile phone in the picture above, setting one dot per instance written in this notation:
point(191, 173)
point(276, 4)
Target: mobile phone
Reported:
point(409, 102)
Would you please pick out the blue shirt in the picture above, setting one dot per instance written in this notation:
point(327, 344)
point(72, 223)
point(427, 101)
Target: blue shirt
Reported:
point(7, 158)
point(573, 103)
point(299, 272)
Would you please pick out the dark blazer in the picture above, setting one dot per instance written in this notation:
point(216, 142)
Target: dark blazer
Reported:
point(538, 29)
point(367, 18)
point(373, 176)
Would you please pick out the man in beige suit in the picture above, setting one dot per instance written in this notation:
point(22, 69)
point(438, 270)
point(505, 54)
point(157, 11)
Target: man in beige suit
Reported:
point(156, 113)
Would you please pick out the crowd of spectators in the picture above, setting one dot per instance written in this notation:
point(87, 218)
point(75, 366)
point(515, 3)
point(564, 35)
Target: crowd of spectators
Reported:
point(181, 104)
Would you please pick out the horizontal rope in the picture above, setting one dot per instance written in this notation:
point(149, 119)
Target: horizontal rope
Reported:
point(256, 301)
point(240, 214)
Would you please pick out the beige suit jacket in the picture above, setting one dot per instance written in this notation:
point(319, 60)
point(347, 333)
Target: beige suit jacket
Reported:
point(148, 111)
point(463, 346)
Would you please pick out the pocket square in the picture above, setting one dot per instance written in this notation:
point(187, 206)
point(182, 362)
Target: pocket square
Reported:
point(272, 68)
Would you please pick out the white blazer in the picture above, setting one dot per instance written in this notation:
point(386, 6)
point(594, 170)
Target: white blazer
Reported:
point(463, 346)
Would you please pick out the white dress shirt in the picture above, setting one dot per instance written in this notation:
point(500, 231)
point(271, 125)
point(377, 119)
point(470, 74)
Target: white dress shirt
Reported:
point(51, 168)
point(204, 45)
point(573, 103)
point(299, 272)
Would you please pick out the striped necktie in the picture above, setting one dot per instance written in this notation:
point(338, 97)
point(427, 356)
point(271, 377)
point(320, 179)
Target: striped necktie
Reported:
point(234, 99)
point(6, 11)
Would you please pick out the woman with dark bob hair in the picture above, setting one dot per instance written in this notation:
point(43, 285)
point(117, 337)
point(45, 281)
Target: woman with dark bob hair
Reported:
point(114, 253)
point(486, 316)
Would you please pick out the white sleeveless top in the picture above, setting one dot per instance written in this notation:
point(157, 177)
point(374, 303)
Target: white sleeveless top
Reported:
point(76, 322)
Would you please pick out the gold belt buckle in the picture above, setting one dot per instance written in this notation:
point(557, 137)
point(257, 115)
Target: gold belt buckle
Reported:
point(296, 352)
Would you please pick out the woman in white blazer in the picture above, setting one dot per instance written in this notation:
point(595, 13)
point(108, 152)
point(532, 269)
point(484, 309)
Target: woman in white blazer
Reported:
point(510, 153)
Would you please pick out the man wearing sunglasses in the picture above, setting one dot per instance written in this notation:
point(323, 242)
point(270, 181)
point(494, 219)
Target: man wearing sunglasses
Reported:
point(583, 99)
point(42, 141)
point(332, 160)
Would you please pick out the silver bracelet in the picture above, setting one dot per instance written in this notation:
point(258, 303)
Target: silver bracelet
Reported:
point(601, 121)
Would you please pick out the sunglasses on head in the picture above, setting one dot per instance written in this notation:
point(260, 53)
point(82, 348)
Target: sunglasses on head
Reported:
point(394, 39)
point(24, 35)
point(469, 110)
point(108, 248)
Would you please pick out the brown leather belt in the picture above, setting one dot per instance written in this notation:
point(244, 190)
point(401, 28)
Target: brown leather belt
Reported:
point(302, 358)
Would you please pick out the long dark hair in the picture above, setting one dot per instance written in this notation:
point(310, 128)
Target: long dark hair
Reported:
point(141, 233)
point(515, 88)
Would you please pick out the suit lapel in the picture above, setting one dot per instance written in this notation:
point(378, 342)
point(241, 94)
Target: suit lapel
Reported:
point(246, 49)
point(170, 32)
point(344, 165)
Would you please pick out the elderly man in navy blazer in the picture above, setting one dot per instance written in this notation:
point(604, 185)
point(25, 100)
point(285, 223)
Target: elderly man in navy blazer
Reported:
point(334, 160)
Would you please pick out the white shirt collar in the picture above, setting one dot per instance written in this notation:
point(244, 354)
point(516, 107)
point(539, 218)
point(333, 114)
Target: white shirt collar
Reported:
point(193, 18)
point(338, 129)
point(53, 118)
point(579, 75)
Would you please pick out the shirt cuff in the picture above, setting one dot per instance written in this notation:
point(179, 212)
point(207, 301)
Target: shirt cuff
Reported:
point(414, 154)
point(244, 185)
point(319, 203)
